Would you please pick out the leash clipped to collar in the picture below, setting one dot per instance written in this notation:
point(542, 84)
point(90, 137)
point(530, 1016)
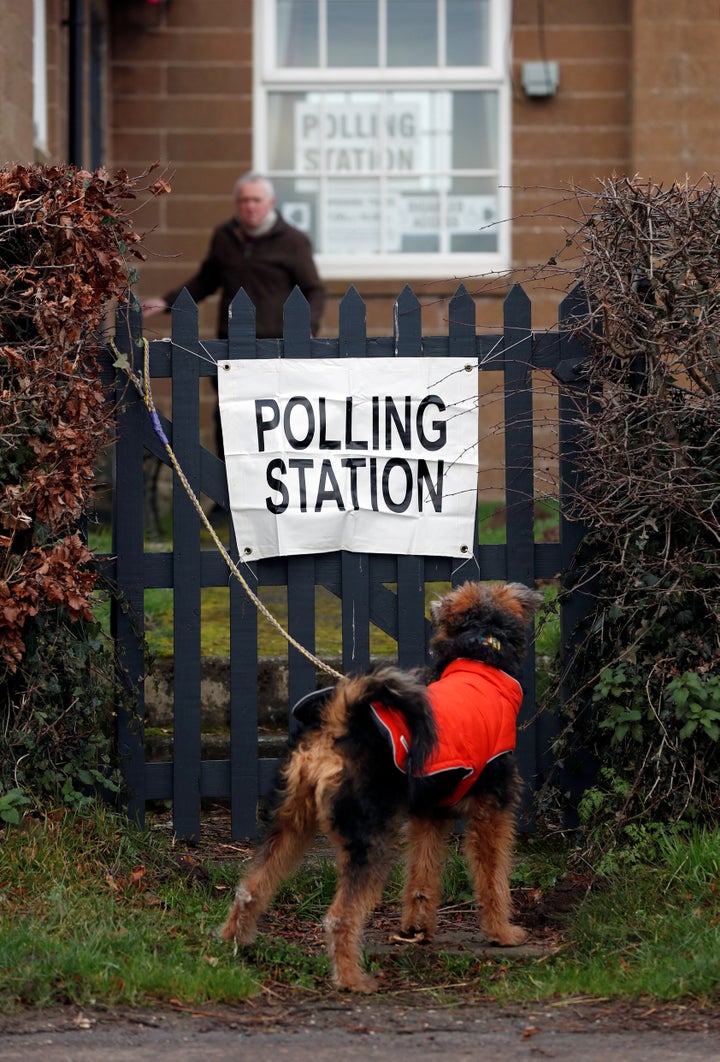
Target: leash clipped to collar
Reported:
point(143, 389)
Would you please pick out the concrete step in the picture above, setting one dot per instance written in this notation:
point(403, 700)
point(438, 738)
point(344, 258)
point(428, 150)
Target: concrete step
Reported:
point(159, 747)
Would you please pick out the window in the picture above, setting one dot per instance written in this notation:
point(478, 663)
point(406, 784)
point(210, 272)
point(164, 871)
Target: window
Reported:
point(384, 125)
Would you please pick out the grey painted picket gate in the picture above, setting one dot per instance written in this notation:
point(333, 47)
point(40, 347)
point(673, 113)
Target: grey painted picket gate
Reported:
point(362, 582)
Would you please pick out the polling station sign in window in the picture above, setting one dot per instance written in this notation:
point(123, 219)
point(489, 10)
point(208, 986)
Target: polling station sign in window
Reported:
point(372, 455)
point(367, 172)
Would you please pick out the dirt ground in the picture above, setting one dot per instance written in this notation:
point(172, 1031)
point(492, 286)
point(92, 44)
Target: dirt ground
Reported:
point(403, 1022)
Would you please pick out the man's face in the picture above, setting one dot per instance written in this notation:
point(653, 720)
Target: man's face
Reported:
point(253, 203)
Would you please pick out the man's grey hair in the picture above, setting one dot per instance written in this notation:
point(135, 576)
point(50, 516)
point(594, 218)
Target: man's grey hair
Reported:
point(253, 175)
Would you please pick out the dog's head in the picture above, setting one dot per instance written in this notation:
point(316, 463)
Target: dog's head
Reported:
point(484, 621)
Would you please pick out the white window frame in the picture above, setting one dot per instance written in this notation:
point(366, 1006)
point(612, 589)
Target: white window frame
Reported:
point(39, 70)
point(267, 78)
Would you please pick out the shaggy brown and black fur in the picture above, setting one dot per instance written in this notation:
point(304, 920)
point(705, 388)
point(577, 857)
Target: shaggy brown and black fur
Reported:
point(340, 779)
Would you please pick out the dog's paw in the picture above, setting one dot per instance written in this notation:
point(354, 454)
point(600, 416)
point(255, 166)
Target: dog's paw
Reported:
point(239, 936)
point(236, 930)
point(359, 982)
point(508, 937)
point(227, 931)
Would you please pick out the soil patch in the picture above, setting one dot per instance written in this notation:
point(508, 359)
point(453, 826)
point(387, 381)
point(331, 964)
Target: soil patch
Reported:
point(542, 912)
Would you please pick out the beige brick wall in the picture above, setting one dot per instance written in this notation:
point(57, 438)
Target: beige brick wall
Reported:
point(182, 91)
point(16, 129)
point(16, 80)
point(57, 81)
point(571, 139)
point(675, 89)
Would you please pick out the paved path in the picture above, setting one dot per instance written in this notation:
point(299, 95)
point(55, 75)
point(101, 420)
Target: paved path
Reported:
point(321, 1030)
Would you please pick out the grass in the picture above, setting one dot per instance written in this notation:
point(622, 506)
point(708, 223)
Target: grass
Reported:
point(215, 602)
point(651, 933)
point(215, 633)
point(93, 910)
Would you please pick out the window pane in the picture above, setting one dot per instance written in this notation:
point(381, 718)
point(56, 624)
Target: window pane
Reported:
point(387, 172)
point(283, 108)
point(299, 205)
point(418, 131)
point(474, 130)
point(472, 210)
point(355, 133)
point(413, 217)
point(297, 33)
point(412, 33)
point(352, 33)
point(467, 32)
point(352, 216)
point(338, 133)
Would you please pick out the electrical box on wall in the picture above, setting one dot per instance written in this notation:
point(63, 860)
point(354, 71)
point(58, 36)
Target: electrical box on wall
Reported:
point(540, 79)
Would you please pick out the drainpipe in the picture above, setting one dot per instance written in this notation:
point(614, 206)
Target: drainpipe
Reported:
point(76, 26)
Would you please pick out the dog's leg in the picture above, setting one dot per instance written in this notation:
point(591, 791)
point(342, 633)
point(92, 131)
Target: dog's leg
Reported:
point(489, 841)
point(291, 833)
point(421, 895)
point(361, 877)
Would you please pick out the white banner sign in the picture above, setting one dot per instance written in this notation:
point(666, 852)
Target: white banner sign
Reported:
point(375, 455)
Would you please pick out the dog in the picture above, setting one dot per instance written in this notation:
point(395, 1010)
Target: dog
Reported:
point(383, 749)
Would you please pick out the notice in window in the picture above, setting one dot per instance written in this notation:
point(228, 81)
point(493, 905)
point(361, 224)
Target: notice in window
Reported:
point(354, 137)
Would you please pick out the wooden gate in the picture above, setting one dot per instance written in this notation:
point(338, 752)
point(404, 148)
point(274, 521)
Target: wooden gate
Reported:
point(387, 591)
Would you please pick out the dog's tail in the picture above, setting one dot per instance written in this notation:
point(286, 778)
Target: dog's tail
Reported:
point(395, 688)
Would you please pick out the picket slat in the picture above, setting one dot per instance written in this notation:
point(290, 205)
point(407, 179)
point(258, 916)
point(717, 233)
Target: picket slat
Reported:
point(461, 325)
point(577, 596)
point(352, 325)
point(519, 501)
point(296, 326)
point(128, 612)
point(241, 327)
point(186, 572)
point(243, 767)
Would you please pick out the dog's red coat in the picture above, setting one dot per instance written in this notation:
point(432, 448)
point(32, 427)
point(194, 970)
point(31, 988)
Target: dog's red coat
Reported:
point(475, 708)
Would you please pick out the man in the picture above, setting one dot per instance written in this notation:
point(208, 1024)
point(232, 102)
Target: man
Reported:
point(259, 251)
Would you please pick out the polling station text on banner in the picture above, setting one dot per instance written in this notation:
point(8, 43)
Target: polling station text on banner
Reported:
point(371, 455)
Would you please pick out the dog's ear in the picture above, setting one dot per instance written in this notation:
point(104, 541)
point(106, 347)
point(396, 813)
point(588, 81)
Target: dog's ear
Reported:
point(446, 612)
point(528, 600)
point(307, 712)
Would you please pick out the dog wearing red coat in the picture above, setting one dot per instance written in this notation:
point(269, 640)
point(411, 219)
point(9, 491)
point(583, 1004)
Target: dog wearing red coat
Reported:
point(384, 749)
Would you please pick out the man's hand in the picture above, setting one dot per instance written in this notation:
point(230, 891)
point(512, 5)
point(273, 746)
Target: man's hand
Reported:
point(152, 306)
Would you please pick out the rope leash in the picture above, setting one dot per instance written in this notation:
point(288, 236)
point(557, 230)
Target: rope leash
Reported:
point(144, 390)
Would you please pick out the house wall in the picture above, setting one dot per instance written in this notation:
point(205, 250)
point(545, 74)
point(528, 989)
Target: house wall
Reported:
point(675, 89)
point(182, 95)
point(57, 83)
point(568, 140)
point(16, 51)
point(639, 93)
point(17, 141)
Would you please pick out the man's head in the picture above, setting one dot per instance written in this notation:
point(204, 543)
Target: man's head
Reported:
point(254, 199)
